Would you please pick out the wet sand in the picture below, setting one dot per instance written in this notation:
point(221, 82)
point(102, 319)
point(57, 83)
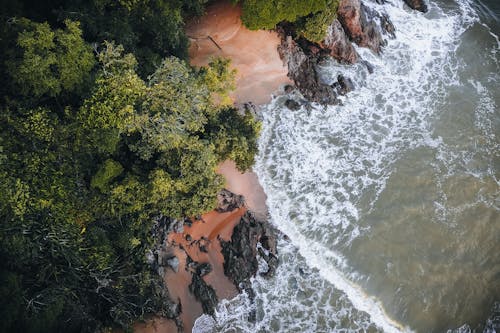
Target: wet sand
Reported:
point(260, 71)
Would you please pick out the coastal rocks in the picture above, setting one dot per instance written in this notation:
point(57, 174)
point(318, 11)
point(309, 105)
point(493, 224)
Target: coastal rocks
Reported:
point(204, 293)
point(228, 201)
point(173, 263)
point(302, 71)
point(338, 44)
point(240, 254)
point(361, 29)
point(292, 104)
point(343, 84)
point(387, 26)
point(417, 5)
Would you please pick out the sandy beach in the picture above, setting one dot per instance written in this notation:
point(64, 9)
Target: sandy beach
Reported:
point(260, 72)
point(220, 33)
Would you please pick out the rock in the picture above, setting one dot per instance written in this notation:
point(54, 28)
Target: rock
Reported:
point(360, 28)
point(302, 71)
point(173, 263)
point(203, 269)
point(240, 254)
point(150, 258)
point(417, 5)
point(344, 84)
point(369, 66)
point(227, 201)
point(174, 225)
point(387, 26)
point(288, 88)
point(188, 222)
point(204, 293)
point(338, 44)
point(292, 105)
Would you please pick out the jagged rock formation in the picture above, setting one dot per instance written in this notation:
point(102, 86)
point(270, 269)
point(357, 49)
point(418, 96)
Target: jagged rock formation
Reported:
point(228, 201)
point(202, 291)
point(355, 23)
point(250, 237)
point(338, 44)
point(360, 28)
point(302, 71)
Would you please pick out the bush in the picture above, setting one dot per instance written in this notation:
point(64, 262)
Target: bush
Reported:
point(265, 14)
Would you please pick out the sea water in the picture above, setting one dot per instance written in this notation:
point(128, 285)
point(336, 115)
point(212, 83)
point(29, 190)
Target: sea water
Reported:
point(390, 201)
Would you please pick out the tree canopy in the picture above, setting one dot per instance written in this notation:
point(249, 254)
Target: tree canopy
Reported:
point(101, 136)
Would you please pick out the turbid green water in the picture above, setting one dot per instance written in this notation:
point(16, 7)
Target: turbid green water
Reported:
point(391, 201)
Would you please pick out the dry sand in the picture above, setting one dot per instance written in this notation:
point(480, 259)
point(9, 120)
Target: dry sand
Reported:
point(253, 53)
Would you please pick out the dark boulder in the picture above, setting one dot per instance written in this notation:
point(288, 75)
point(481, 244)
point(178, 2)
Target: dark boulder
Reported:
point(240, 254)
point(302, 71)
point(288, 89)
point(292, 104)
point(203, 269)
point(417, 5)
point(387, 26)
point(344, 84)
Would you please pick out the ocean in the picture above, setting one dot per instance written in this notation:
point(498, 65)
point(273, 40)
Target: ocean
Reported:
point(390, 201)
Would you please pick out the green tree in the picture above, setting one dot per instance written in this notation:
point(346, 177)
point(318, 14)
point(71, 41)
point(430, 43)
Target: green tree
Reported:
point(265, 14)
point(47, 61)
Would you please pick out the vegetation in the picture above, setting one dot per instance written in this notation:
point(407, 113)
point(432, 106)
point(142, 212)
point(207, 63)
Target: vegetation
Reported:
point(314, 27)
point(103, 129)
point(311, 17)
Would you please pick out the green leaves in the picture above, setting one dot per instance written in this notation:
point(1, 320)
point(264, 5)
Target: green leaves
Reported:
point(106, 173)
point(265, 14)
point(50, 62)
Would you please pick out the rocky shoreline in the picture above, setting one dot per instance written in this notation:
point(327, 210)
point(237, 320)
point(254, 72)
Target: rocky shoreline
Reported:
point(355, 24)
point(251, 238)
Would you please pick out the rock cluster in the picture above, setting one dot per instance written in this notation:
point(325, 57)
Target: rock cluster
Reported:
point(355, 23)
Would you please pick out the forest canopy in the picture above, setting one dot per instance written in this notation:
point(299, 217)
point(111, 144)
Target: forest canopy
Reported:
point(104, 129)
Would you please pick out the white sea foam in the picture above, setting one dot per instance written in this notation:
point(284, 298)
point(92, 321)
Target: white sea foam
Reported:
point(323, 169)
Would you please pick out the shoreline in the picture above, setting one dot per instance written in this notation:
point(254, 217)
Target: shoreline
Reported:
point(260, 72)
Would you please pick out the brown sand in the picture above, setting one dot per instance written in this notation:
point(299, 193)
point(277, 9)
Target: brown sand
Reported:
point(260, 73)
point(253, 53)
point(246, 184)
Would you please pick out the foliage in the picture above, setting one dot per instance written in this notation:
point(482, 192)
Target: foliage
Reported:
point(50, 61)
point(93, 150)
point(315, 26)
point(265, 14)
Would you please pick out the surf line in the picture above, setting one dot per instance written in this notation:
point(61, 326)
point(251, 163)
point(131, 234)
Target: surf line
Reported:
point(317, 257)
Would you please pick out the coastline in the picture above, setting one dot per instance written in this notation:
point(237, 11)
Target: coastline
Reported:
point(260, 72)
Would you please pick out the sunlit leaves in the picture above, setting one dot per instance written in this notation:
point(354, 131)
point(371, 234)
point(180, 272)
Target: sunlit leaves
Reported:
point(50, 61)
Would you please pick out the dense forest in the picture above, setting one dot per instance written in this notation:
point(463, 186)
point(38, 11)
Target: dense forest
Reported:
point(105, 127)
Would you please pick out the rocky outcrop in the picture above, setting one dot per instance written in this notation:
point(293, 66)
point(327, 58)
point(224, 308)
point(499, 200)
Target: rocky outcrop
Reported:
point(417, 5)
point(343, 85)
point(302, 71)
point(227, 201)
point(160, 257)
point(204, 293)
point(360, 29)
point(292, 104)
point(338, 45)
point(250, 238)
